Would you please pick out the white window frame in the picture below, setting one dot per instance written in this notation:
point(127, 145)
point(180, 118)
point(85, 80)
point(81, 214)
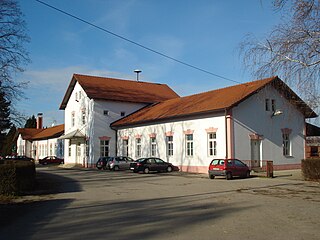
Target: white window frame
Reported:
point(189, 145)
point(212, 144)
point(69, 148)
point(138, 147)
point(125, 147)
point(104, 148)
point(169, 145)
point(73, 119)
point(83, 116)
point(286, 144)
point(153, 146)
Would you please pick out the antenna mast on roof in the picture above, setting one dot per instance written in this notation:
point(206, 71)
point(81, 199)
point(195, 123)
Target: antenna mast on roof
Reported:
point(137, 71)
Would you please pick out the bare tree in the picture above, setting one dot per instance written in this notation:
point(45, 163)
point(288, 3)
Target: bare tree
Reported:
point(13, 56)
point(292, 49)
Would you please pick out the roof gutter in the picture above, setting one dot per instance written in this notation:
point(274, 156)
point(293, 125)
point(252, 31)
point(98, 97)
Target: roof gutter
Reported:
point(133, 124)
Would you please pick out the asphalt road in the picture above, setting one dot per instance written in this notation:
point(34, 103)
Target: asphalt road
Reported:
point(92, 204)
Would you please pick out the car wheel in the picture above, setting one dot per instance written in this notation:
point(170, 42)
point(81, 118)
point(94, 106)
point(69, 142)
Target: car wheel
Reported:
point(116, 168)
point(248, 174)
point(169, 169)
point(229, 176)
point(99, 168)
point(211, 176)
point(146, 170)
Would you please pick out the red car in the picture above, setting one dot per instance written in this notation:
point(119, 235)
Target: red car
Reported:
point(51, 159)
point(228, 168)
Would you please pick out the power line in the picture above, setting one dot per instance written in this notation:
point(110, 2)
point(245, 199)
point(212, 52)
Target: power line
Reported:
point(136, 43)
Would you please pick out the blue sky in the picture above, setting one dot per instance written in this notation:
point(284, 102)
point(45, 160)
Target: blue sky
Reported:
point(204, 33)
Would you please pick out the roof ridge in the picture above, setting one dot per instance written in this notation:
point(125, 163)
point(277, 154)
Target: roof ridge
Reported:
point(232, 86)
point(118, 79)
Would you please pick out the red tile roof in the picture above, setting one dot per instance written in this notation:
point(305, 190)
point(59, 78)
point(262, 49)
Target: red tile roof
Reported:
point(41, 134)
point(212, 101)
point(119, 90)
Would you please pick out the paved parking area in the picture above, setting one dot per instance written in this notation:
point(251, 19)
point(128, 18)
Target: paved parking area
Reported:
point(92, 204)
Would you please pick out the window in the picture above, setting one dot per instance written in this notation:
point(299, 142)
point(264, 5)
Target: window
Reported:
point(55, 149)
point(73, 119)
point(76, 96)
point(189, 144)
point(87, 148)
point(267, 105)
point(212, 144)
point(80, 95)
point(69, 149)
point(273, 105)
point(106, 112)
point(138, 147)
point(104, 148)
point(50, 150)
point(153, 146)
point(286, 144)
point(83, 116)
point(123, 114)
point(125, 147)
point(170, 145)
point(314, 151)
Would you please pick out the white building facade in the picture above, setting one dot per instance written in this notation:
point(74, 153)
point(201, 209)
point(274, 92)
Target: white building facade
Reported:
point(254, 122)
point(88, 116)
point(262, 126)
point(40, 142)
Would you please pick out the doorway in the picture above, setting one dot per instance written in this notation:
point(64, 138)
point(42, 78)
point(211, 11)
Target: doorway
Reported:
point(255, 153)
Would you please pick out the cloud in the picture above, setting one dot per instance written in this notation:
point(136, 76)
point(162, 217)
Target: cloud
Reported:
point(58, 79)
point(47, 88)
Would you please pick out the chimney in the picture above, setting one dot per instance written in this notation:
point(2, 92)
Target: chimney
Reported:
point(137, 71)
point(39, 121)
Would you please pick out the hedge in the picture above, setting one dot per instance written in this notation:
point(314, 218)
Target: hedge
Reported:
point(16, 177)
point(311, 168)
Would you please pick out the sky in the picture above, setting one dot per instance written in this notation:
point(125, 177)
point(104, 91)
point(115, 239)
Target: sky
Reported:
point(202, 33)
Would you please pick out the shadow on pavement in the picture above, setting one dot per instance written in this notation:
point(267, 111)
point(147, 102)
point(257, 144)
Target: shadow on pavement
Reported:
point(48, 183)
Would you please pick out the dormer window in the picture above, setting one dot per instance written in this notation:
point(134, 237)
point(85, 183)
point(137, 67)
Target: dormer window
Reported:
point(106, 112)
point(122, 114)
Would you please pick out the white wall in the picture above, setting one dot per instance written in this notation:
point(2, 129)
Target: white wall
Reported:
point(21, 147)
point(100, 124)
point(199, 161)
point(97, 125)
point(49, 147)
point(251, 117)
point(76, 105)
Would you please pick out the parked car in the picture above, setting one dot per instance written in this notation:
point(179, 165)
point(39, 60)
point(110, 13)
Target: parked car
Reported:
point(147, 165)
point(51, 160)
point(19, 158)
point(228, 168)
point(102, 163)
point(117, 163)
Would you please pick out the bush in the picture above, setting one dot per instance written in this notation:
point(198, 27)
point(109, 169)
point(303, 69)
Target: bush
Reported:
point(311, 168)
point(17, 177)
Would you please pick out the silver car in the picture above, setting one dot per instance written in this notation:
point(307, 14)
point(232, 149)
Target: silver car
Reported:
point(117, 163)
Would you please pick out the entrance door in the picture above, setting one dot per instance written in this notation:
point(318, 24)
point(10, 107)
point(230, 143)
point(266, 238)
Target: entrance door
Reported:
point(255, 153)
